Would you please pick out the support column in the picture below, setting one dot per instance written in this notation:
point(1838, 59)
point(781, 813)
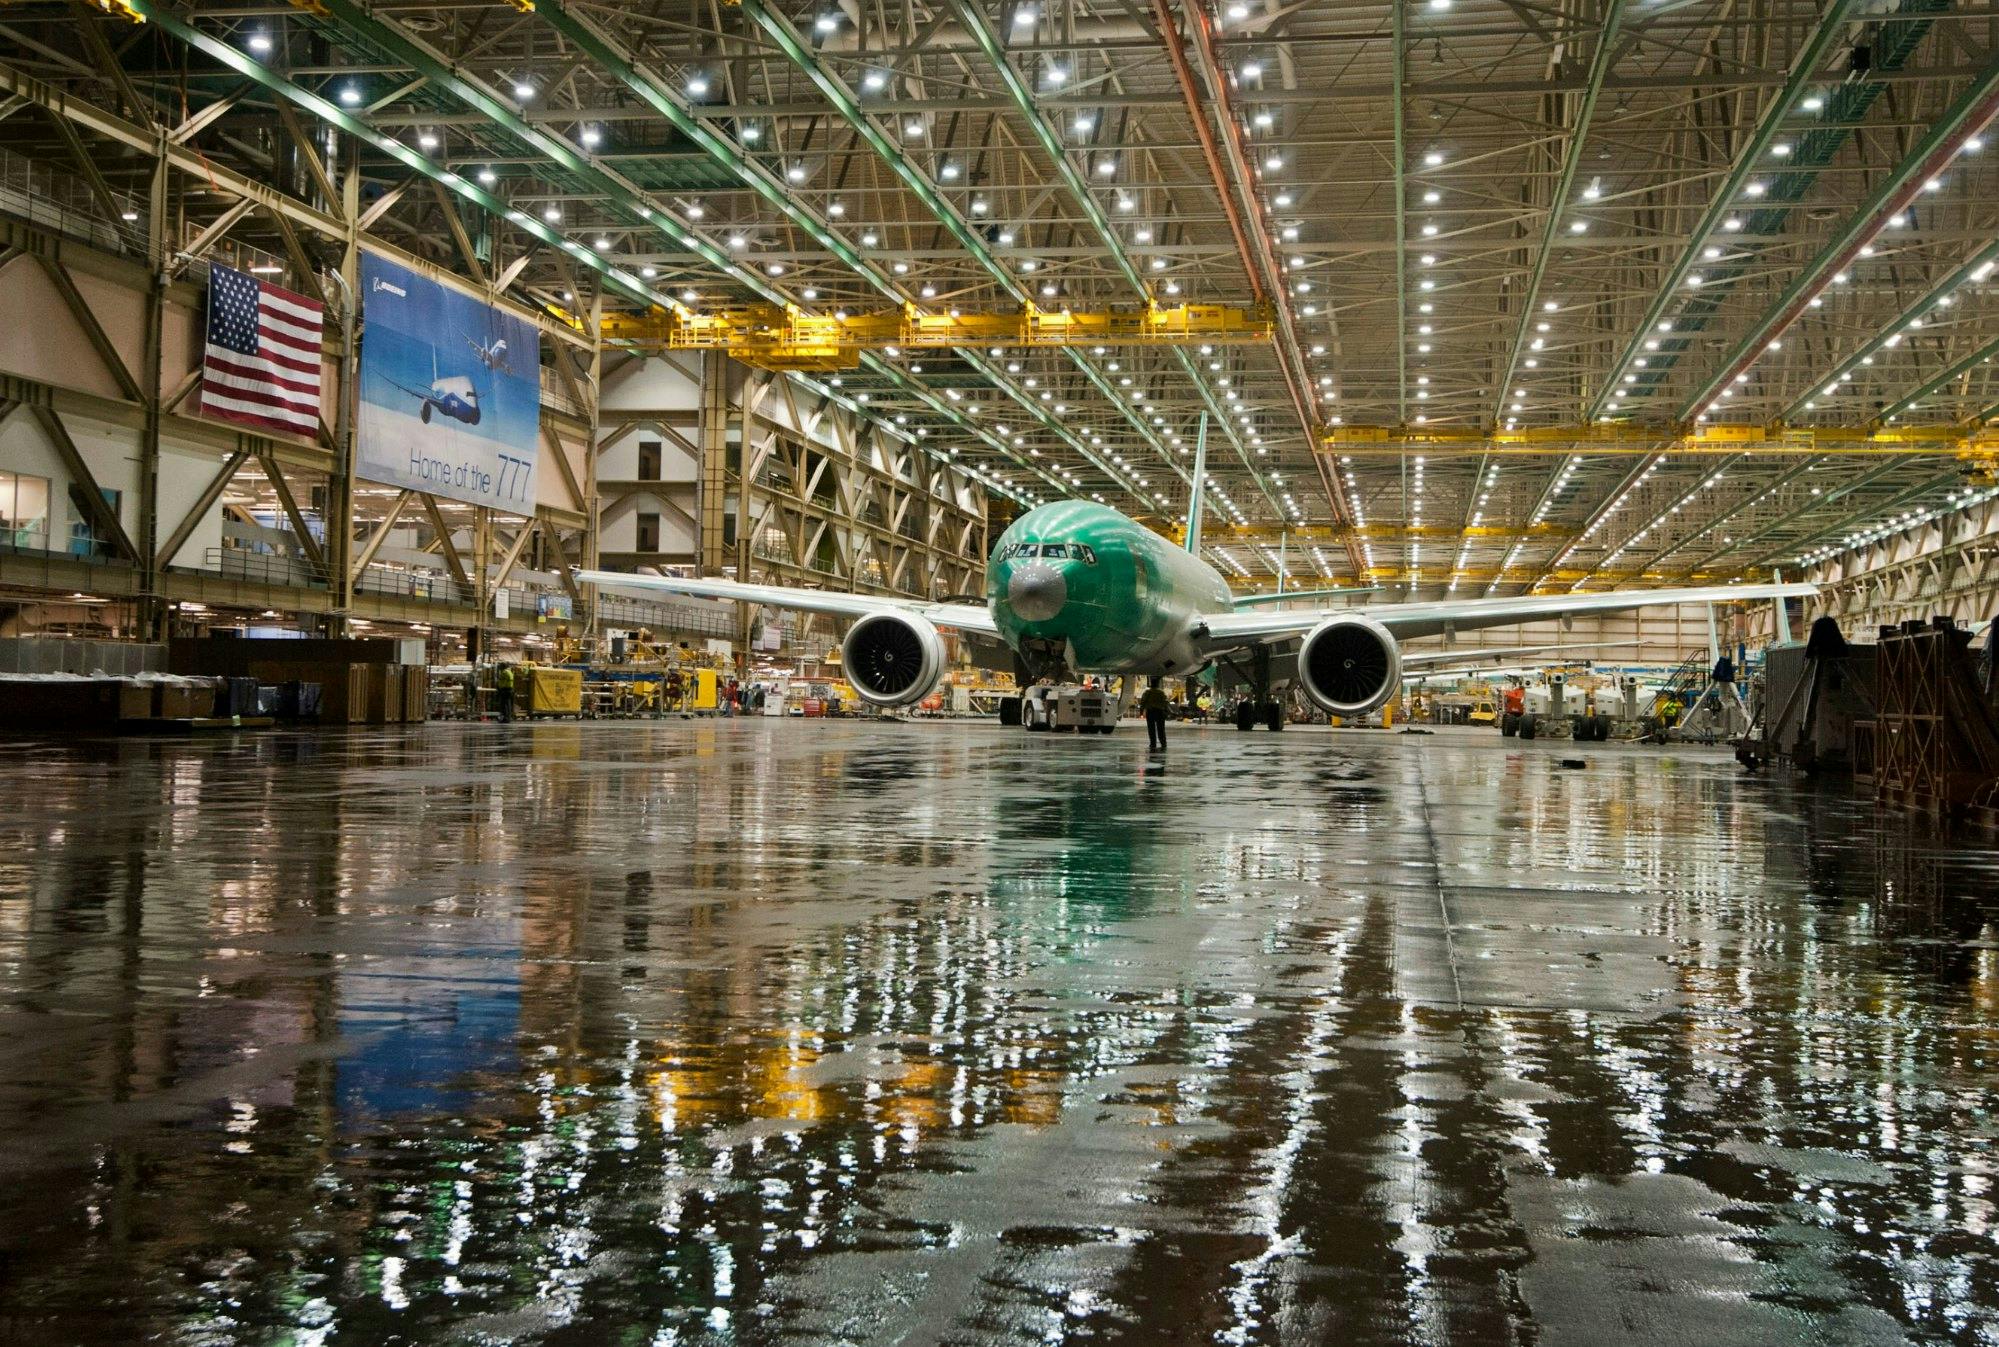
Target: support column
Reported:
point(593, 508)
point(152, 610)
point(340, 482)
point(482, 575)
point(714, 434)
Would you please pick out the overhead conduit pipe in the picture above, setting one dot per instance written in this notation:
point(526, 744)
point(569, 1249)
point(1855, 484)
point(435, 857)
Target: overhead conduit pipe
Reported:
point(1252, 238)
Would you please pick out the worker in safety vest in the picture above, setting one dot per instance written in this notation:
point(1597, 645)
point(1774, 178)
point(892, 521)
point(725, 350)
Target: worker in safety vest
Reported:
point(503, 692)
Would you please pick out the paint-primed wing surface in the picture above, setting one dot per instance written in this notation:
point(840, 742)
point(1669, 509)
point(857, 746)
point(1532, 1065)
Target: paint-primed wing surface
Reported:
point(968, 617)
point(1226, 631)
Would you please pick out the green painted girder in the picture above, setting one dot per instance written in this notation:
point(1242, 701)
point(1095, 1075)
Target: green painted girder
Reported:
point(1788, 185)
point(1831, 24)
point(1968, 112)
point(1558, 204)
point(607, 52)
point(1986, 256)
point(972, 16)
point(243, 64)
point(1896, 501)
point(1957, 370)
point(402, 48)
point(842, 98)
point(904, 383)
point(1050, 424)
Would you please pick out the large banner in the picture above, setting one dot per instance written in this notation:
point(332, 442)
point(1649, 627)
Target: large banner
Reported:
point(450, 391)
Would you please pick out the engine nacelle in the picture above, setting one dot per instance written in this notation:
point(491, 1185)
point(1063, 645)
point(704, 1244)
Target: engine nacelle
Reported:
point(893, 658)
point(1349, 665)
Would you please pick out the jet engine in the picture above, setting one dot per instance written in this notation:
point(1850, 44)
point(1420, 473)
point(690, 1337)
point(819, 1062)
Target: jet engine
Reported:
point(892, 658)
point(1349, 665)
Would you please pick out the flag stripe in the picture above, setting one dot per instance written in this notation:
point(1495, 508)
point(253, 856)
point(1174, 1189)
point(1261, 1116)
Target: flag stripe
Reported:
point(261, 363)
point(260, 411)
point(291, 306)
point(257, 385)
point(292, 334)
point(262, 369)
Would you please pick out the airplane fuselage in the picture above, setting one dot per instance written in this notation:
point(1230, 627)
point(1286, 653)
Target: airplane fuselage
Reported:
point(1102, 591)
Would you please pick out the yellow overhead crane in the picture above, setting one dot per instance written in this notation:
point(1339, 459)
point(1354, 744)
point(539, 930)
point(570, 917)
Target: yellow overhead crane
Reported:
point(788, 338)
point(1978, 447)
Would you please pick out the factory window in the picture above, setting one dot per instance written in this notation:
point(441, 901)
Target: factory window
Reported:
point(648, 533)
point(84, 538)
point(648, 460)
point(24, 511)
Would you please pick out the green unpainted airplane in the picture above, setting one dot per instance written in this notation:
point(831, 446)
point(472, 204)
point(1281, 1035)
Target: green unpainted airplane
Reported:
point(1074, 587)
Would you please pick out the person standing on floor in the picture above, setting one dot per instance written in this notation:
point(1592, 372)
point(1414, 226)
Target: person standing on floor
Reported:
point(503, 692)
point(1154, 704)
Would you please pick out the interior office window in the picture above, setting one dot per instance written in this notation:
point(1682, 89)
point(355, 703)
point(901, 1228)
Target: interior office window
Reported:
point(24, 510)
point(648, 533)
point(85, 540)
point(648, 460)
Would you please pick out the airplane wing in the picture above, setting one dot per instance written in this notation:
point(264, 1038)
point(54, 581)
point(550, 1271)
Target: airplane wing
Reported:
point(1469, 656)
point(1257, 600)
point(1229, 631)
point(966, 617)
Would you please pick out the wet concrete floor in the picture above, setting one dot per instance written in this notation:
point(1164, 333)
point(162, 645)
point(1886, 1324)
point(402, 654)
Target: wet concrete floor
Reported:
point(769, 1032)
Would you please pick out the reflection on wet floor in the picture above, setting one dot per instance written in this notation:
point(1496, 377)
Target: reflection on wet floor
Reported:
point(827, 1033)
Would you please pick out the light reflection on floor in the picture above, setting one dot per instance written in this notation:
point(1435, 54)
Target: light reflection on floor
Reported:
point(824, 1033)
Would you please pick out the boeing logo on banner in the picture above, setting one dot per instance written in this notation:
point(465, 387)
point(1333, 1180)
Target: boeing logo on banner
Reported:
point(391, 287)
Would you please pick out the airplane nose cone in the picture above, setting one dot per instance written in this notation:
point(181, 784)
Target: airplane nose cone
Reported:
point(1036, 592)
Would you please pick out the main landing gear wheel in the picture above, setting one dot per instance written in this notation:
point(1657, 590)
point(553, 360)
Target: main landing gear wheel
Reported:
point(1245, 716)
point(1273, 716)
point(1528, 724)
point(1509, 724)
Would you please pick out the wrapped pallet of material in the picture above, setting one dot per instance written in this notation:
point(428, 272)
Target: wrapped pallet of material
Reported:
point(385, 692)
point(184, 700)
point(416, 693)
point(553, 692)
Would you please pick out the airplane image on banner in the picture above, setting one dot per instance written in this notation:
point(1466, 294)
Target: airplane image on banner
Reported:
point(453, 395)
point(493, 356)
point(1073, 587)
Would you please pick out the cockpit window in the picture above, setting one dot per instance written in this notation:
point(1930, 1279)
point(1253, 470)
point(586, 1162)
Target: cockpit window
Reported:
point(1082, 552)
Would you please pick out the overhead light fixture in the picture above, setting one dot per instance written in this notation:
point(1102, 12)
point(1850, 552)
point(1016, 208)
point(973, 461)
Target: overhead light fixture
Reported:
point(697, 86)
point(874, 81)
point(260, 42)
point(523, 91)
point(350, 95)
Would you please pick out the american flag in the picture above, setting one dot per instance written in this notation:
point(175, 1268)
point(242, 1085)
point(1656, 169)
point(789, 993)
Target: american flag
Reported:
point(262, 361)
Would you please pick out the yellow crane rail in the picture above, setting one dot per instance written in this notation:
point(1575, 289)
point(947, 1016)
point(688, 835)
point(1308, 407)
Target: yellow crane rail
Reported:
point(1316, 535)
point(777, 338)
point(1975, 445)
